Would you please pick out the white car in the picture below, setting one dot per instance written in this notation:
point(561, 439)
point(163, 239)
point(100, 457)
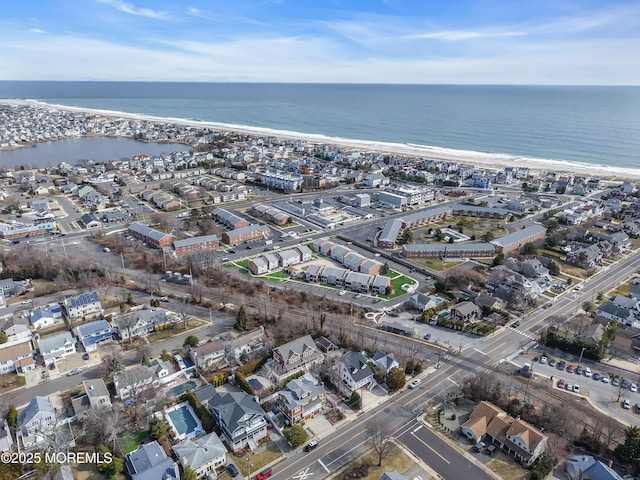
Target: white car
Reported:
point(73, 372)
point(576, 388)
point(626, 404)
point(633, 387)
point(415, 383)
point(342, 292)
point(587, 371)
point(543, 359)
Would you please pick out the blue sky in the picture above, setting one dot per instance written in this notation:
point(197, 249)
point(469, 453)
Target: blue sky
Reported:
point(584, 42)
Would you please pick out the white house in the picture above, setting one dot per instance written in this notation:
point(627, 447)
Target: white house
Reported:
point(354, 371)
point(85, 305)
point(36, 422)
point(56, 346)
point(202, 454)
point(46, 316)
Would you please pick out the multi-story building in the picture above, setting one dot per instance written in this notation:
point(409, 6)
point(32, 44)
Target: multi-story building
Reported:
point(85, 305)
point(302, 399)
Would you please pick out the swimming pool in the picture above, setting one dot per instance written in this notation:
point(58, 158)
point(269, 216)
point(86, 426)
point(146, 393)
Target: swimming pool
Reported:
point(184, 421)
point(183, 387)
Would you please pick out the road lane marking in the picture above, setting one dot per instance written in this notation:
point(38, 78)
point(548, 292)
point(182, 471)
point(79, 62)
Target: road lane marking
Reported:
point(479, 351)
point(430, 448)
point(496, 347)
point(419, 427)
point(324, 466)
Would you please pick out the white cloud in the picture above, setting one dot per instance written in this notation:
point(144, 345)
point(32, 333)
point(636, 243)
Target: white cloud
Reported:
point(456, 35)
point(133, 10)
point(36, 30)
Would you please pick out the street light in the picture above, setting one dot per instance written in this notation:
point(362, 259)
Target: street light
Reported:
point(581, 353)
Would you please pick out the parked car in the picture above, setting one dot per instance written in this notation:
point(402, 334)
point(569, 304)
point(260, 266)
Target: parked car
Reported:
point(414, 383)
point(515, 324)
point(624, 383)
point(579, 371)
point(543, 359)
point(552, 362)
point(633, 387)
point(596, 376)
point(266, 473)
point(490, 450)
point(615, 382)
point(569, 387)
point(637, 408)
point(232, 470)
point(626, 404)
point(587, 371)
point(561, 365)
point(73, 372)
point(311, 445)
point(571, 368)
point(85, 356)
point(164, 299)
point(576, 388)
point(605, 378)
point(478, 447)
point(427, 336)
point(561, 383)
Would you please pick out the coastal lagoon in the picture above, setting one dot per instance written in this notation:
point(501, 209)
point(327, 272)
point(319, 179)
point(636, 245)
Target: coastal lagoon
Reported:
point(98, 149)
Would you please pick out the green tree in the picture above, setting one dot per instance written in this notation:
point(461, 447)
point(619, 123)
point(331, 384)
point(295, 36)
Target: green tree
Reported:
point(487, 236)
point(241, 320)
point(529, 249)
point(588, 307)
point(158, 428)
point(600, 296)
point(102, 450)
point(115, 365)
point(406, 237)
point(3, 338)
point(296, 435)
point(191, 341)
point(554, 269)
point(498, 259)
point(355, 400)
point(189, 474)
point(165, 356)
point(395, 379)
point(117, 467)
point(12, 416)
point(629, 451)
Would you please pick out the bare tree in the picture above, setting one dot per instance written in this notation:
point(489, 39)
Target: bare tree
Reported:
point(127, 321)
point(380, 436)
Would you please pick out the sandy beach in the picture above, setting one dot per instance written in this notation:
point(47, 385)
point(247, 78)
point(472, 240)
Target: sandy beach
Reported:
point(485, 160)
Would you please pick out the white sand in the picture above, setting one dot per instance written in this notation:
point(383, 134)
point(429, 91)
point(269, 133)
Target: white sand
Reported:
point(485, 160)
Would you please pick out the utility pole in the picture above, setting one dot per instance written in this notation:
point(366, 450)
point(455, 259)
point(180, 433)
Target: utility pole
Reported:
point(581, 353)
point(124, 273)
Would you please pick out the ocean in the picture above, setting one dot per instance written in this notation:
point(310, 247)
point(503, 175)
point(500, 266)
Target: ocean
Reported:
point(593, 126)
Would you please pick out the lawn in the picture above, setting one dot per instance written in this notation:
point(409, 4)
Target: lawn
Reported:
point(397, 460)
point(507, 470)
point(258, 460)
point(130, 441)
point(622, 290)
point(177, 329)
point(280, 275)
point(437, 264)
point(87, 471)
point(10, 381)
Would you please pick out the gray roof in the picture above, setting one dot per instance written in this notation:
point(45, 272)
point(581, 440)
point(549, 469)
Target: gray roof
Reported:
point(92, 328)
point(147, 231)
point(195, 241)
point(428, 212)
point(95, 387)
point(450, 248)
point(36, 405)
point(226, 216)
point(87, 218)
point(149, 462)
point(614, 310)
point(199, 451)
point(361, 278)
point(357, 364)
point(519, 235)
point(204, 394)
point(232, 407)
point(296, 347)
point(300, 390)
point(393, 475)
point(54, 342)
point(249, 229)
point(391, 231)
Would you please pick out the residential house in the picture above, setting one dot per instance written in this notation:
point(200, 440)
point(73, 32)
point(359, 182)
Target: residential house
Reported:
point(202, 454)
point(96, 396)
point(385, 361)
point(163, 370)
point(11, 356)
point(85, 305)
point(210, 355)
point(514, 436)
point(422, 301)
point(140, 323)
point(517, 239)
point(466, 312)
point(151, 237)
point(46, 316)
point(580, 467)
point(150, 462)
point(90, 221)
point(6, 439)
point(258, 266)
point(240, 417)
point(195, 244)
point(246, 343)
point(392, 475)
point(585, 257)
point(246, 234)
point(56, 346)
point(489, 301)
point(354, 372)
point(295, 356)
point(94, 334)
point(36, 422)
point(303, 398)
point(134, 381)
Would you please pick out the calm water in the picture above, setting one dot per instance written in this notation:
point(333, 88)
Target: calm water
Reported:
point(592, 125)
point(100, 149)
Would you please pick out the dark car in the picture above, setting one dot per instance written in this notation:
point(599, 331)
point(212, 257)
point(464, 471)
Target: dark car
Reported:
point(561, 365)
point(515, 324)
point(310, 446)
point(266, 473)
point(85, 356)
point(232, 251)
point(232, 470)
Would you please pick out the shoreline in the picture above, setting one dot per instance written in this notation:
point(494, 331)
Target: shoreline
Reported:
point(489, 161)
